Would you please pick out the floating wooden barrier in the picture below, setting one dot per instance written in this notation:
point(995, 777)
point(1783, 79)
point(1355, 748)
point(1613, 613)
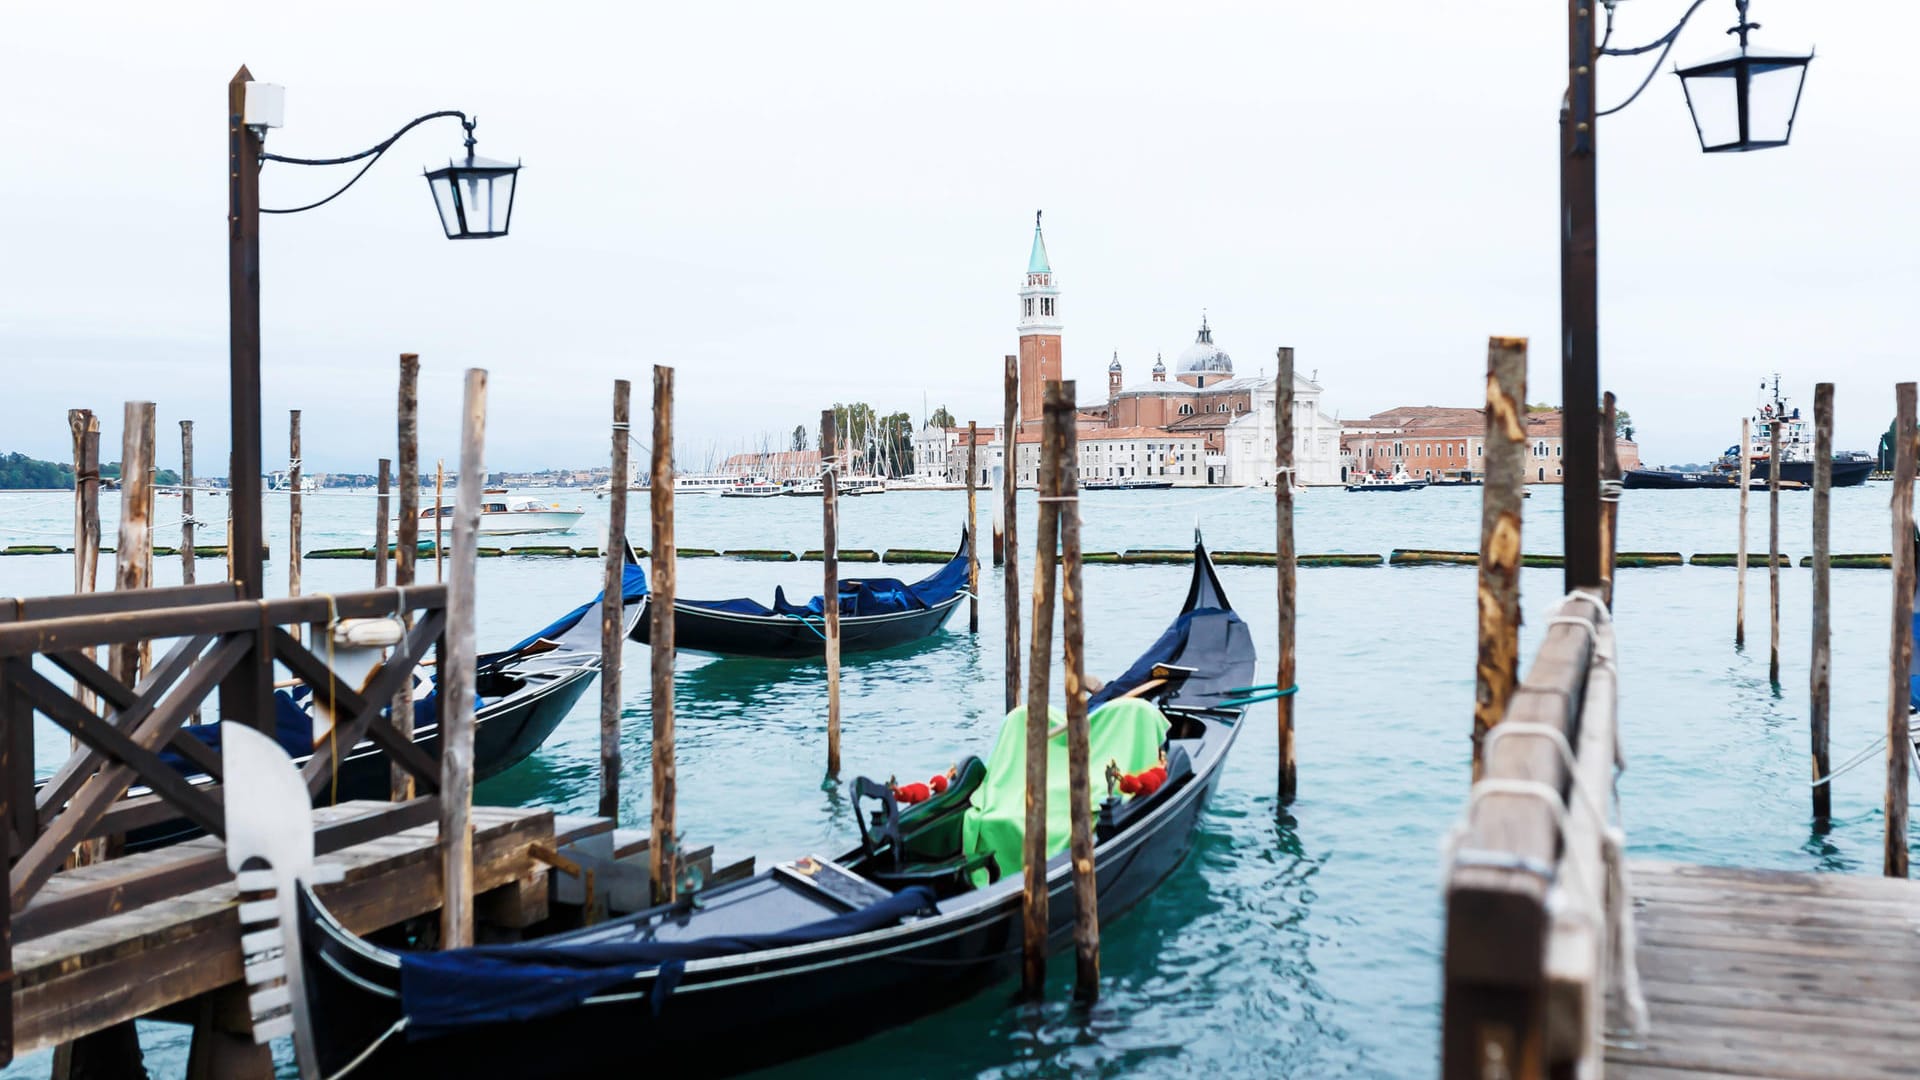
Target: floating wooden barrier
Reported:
point(1339, 559)
point(1099, 557)
point(1156, 557)
point(1722, 558)
point(694, 553)
point(339, 553)
point(916, 555)
point(1540, 560)
point(845, 555)
point(545, 550)
point(1854, 562)
point(1649, 558)
point(32, 549)
point(488, 552)
point(1427, 557)
point(759, 555)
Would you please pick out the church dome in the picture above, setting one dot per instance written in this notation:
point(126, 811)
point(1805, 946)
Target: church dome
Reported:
point(1115, 366)
point(1203, 357)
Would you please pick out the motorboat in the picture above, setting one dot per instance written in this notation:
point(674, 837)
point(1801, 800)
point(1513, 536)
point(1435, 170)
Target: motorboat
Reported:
point(507, 515)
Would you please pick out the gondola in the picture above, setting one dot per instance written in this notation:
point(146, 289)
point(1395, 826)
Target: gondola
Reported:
point(875, 613)
point(521, 693)
point(810, 954)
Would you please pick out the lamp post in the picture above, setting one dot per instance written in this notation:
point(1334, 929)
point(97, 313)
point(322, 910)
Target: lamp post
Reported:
point(1745, 100)
point(475, 199)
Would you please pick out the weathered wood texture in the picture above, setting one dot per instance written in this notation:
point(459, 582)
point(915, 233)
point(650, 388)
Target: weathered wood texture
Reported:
point(382, 511)
point(1767, 973)
point(133, 551)
point(1773, 556)
point(1046, 541)
point(1900, 663)
point(457, 674)
point(1059, 412)
point(439, 508)
point(134, 961)
point(86, 508)
point(1504, 485)
point(1287, 578)
point(295, 511)
point(406, 540)
point(1820, 667)
point(1740, 558)
point(1009, 510)
point(973, 532)
point(660, 860)
point(1498, 920)
point(1609, 493)
point(612, 606)
point(186, 503)
point(830, 578)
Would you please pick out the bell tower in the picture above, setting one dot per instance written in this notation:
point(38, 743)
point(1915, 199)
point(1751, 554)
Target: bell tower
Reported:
point(1113, 377)
point(1039, 328)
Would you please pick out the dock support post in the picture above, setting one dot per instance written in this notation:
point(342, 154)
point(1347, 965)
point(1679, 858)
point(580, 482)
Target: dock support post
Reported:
point(133, 550)
point(295, 511)
point(663, 850)
point(1899, 742)
point(1609, 494)
point(186, 503)
point(1740, 558)
point(406, 543)
point(457, 675)
point(973, 522)
point(1284, 562)
point(1009, 502)
point(1503, 485)
point(1059, 416)
point(1046, 540)
point(1773, 555)
point(439, 508)
point(1820, 670)
point(613, 605)
point(830, 581)
point(382, 509)
point(85, 427)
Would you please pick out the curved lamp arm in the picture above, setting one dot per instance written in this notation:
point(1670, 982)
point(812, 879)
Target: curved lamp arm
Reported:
point(1664, 43)
point(373, 152)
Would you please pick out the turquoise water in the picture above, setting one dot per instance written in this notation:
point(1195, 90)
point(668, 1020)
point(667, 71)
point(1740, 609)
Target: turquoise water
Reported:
point(1301, 941)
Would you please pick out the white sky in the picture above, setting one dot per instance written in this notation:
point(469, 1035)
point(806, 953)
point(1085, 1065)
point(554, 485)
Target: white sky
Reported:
point(796, 204)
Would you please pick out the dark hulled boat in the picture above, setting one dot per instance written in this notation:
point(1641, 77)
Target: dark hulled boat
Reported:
point(1849, 470)
point(810, 954)
point(875, 613)
point(1671, 480)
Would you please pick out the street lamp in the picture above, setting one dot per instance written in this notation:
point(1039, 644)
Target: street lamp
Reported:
point(478, 200)
point(1745, 100)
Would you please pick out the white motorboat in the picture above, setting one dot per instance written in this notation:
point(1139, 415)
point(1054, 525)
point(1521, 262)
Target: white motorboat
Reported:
point(703, 484)
point(516, 514)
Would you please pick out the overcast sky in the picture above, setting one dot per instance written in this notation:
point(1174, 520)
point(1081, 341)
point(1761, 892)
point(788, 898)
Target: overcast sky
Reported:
point(797, 204)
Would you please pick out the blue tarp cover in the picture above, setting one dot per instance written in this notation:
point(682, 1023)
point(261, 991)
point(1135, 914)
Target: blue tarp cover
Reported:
point(443, 993)
point(859, 596)
point(632, 590)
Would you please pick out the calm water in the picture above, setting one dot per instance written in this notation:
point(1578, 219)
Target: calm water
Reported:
point(1300, 941)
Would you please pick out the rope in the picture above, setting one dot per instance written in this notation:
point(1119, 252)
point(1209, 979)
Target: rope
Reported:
point(398, 1026)
point(1610, 490)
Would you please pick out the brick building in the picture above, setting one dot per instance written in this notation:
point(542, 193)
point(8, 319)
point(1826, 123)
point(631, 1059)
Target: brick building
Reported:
point(1435, 443)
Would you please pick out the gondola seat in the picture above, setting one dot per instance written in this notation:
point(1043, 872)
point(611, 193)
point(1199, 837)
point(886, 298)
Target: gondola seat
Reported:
point(949, 878)
point(920, 844)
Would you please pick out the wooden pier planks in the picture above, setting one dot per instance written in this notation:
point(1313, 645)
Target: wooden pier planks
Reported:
point(130, 964)
point(1768, 973)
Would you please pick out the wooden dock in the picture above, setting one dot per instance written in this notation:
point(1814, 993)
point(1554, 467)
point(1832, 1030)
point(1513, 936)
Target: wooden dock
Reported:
point(147, 959)
point(1767, 973)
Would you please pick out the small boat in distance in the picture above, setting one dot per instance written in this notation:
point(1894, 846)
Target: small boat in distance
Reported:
point(704, 484)
point(514, 515)
point(1850, 467)
point(1665, 479)
point(758, 487)
point(1380, 481)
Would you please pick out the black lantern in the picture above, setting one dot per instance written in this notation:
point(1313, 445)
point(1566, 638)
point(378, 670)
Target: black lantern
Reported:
point(1746, 99)
point(475, 196)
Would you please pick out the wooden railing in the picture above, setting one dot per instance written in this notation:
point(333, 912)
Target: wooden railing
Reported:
point(214, 633)
point(1532, 926)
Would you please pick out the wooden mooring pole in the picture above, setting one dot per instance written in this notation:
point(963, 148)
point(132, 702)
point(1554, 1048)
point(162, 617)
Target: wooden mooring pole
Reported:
point(613, 605)
point(1503, 485)
point(1046, 541)
point(439, 508)
point(1773, 554)
point(1609, 494)
point(973, 531)
point(457, 675)
point(380, 523)
point(406, 543)
point(85, 427)
point(1740, 558)
point(830, 580)
point(1820, 669)
point(1009, 502)
point(1284, 561)
point(1059, 419)
point(133, 550)
point(663, 850)
point(186, 502)
point(295, 518)
point(1900, 666)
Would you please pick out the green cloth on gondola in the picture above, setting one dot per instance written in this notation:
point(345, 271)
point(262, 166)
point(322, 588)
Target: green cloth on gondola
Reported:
point(1127, 730)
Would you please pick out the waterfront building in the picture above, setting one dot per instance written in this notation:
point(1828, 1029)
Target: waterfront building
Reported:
point(1440, 443)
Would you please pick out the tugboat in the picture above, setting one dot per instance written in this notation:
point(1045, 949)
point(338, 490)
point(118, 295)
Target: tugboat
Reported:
point(1850, 468)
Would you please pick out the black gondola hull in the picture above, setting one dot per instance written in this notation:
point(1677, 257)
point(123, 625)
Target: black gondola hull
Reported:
point(786, 638)
point(804, 1001)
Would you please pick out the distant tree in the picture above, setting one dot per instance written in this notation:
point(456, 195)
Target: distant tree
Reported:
point(1540, 406)
point(941, 418)
point(1623, 424)
point(799, 437)
point(20, 471)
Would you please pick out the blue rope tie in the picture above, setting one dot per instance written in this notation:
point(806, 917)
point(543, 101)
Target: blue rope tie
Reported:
point(802, 620)
point(1257, 694)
